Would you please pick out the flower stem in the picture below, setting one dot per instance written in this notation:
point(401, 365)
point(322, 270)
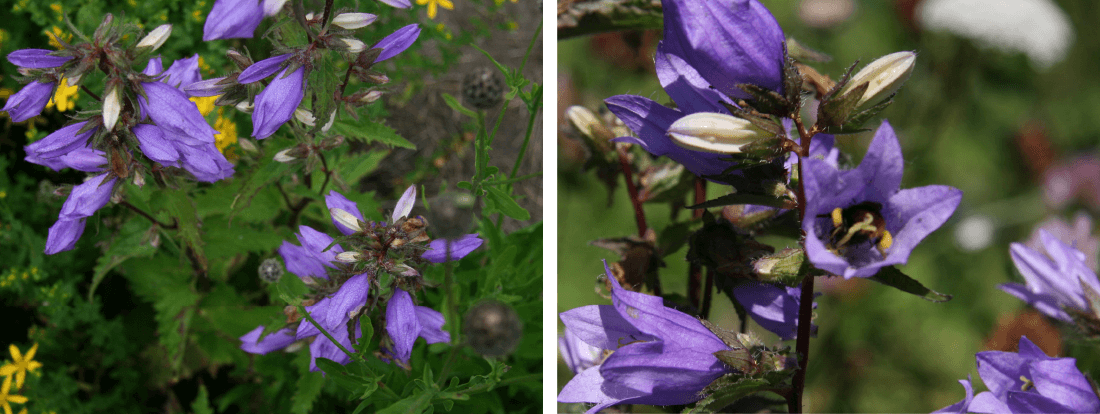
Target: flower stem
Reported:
point(695, 270)
point(628, 175)
point(526, 140)
point(805, 305)
point(142, 213)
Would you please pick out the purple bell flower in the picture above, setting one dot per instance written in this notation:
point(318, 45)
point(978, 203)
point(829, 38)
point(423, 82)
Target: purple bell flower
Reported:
point(29, 101)
point(84, 159)
point(333, 314)
point(868, 198)
point(36, 59)
point(252, 343)
point(401, 4)
point(1055, 281)
point(397, 41)
point(262, 69)
point(773, 307)
point(183, 72)
point(405, 322)
point(275, 105)
point(661, 356)
point(171, 110)
point(1028, 382)
point(65, 140)
point(301, 262)
point(84, 201)
point(577, 354)
point(232, 19)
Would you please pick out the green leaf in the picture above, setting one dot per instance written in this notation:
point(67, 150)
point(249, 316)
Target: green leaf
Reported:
point(261, 178)
point(130, 243)
point(201, 404)
point(891, 276)
point(740, 198)
point(309, 387)
point(291, 289)
point(728, 389)
point(454, 104)
point(355, 167)
point(367, 131)
point(507, 205)
point(182, 208)
point(367, 331)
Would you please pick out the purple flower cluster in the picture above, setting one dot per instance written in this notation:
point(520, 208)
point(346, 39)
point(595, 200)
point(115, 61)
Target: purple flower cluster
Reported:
point(32, 99)
point(405, 322)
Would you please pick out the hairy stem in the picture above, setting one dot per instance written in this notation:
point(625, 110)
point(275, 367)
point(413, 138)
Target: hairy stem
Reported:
point(695, 270)
point(805, 305)
point(149, 217)
point(628, 175)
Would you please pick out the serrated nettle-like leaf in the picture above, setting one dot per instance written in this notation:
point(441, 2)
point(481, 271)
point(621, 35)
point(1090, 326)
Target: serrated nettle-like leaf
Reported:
point(727, 389)
point(366, 130)
point(308, 388)
point(891, 276)
point(506, 205)
point(132, 241)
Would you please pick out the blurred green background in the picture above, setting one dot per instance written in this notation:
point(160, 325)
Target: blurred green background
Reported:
point(989, 122)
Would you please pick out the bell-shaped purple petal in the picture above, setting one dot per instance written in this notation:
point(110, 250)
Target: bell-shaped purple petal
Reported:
point(301, 262)
point(84, 159)
point(401, 4)
point(402, 325)
point(252, 343)
point(404, 204)
point(729, 42)
point(154, 67)
point(397, 42)
point(685, 85)
point(205, 162)
point(910, 215)
point(87, 198)
point(337, 200)
point(64, 140)
point(153, 144)
point(651, 121)
point(315, 243)
point(206, 88)
point(29, 101)
point(1059, 380)
point(183, 72)
point(577, 354)
point(773, 307)
point(232, 19)
point(322, 347)
point(431, 325)
point(960, 407)
point(276, 104)
point(36, 59)
point(171, 110)
point(1054, 280)
point(63, 235)
point(334, 312)
point(437, 252)
point(262, 69)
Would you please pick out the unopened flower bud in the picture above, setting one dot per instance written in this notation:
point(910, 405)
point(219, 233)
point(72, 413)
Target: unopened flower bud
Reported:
point(345, 218)
point(406, 271)
point(715, 132)
point(883, 77)
point(354, 45)
point(244, 106)
point(328, 125)
point(111, 107)
point(352, 21)
point(284, 155)
point(304, 116)
point(348, 257)
point(156, 38)
point(370, 96)
point(238, 59)
point(247, 145)
point(376, 78)
point(272, 7)
point(139, 179)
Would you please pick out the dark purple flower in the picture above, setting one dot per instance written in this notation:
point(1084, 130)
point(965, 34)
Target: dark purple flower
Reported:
point(859, 221)
point(262, 69)
point(276, 103)
point(773, 307)
point(84, 201)
point(405, 322)
point(177, 116)
point(333, 313)
point(84, 159)
point(183, 72)
point(397, 42)
point(1029, 382)
point(1055, 281)
point(301, 262)
point(232, 19)
point(29, 101)
point(577, 354)
point(58, 143)
point(155, 146)
point(36, 59)
point(460, 247)
point(252, 343)
point(661, 356)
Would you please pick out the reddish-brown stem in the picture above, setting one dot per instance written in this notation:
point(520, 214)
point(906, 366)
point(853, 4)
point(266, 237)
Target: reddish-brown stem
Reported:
point(805, 305)
point(695, 271)
point(142, 213)
point(628, 175)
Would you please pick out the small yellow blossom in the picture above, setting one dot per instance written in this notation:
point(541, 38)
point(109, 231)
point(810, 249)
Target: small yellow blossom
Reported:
point(433, 4)
point(197, 15)
point(65, 97)
point(20, 365)
point(5, 92)
point(57, 9)
point(204, 66)
point(443, 29)
point(133, 3)
point(204, 103)
point(6, 399)
point(227, 135)
point(54, 33)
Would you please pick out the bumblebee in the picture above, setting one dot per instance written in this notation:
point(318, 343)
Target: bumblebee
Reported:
point(857, 224)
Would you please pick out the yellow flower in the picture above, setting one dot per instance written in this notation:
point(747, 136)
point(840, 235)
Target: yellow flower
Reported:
point(432, 4)
point(204, 103)
point(65, 96)
point(5, 399)
point(227, 135)
point(20, 366)
point(55, 33)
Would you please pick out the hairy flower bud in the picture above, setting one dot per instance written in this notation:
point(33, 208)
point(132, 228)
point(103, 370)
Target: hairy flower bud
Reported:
point(111, 107)
point(883, 77)
point(354, 45)
point(284, 155)
point(715, 132)
point(352, 21)
point(345, 218)
point(348, 257)
point(156, 38)
point(305, 117)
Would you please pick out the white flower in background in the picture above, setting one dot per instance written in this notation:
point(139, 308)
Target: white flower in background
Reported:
point(1038, 28)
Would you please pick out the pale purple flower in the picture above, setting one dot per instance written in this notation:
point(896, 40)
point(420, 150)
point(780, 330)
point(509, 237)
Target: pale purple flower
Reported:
point(276, 103)
point(708, 48)
point(397, 42)
point(183, 72)
point(205, 162)
point(301, 262)
point(401, 4)
point(29, 101)
point(262, 69)
point(84, 159)
point(909, 215)
point(661, 356)
point(459, 248)
point(577, 354)
point(84, 201)
point(333, 314)
point(1055, 281)
point(405, 322)
point(65, 140)
point(773, 307)
point(252, 343)
point(232, 19)
point(36, 58)
point(1028, 382)
point(177, 116)
point(1079, 235)
point(1077, 178)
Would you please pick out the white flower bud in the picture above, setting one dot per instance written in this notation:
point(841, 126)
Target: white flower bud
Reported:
point(139, 180)
point(346, 219)
point(304, 116)
point(404, 204)
point(244, 106)
point(714, 132)
point(352, 21)
point(371, 96)
point(247, 145)
point(156, 38)
point(883, 77)
point(111, 107)
point(354, 45)
point(328, 125)
point(348, 257)
point(284, 155)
